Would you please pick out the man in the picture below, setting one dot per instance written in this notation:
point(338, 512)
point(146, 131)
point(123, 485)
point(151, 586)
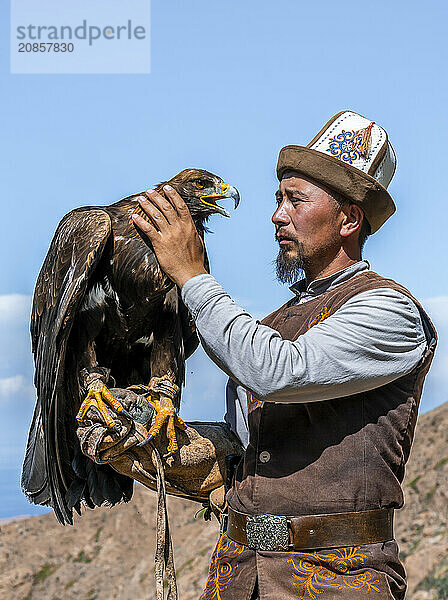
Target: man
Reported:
point(324, 392)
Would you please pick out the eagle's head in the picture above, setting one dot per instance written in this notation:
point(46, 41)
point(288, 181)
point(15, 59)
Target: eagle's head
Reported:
point(201, 190)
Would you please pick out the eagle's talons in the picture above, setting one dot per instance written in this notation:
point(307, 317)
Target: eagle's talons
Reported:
point(145, 441)
point(98, 396)
point(165, 413)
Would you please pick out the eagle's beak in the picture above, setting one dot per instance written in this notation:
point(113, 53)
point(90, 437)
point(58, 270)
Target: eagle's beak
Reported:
point(227, 191)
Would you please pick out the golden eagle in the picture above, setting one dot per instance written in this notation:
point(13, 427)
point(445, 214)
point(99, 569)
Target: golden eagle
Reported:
point(104, 311)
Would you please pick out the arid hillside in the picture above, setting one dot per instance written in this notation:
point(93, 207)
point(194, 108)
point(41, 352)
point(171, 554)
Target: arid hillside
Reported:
point(108, 554)
point(422, 525)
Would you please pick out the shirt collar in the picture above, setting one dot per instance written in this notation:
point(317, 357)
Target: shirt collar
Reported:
point(318, 286)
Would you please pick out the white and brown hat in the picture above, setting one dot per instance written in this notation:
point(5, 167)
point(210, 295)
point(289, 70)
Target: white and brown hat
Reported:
point(352, 156)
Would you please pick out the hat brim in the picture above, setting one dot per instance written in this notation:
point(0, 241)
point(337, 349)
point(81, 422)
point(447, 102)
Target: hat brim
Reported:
point(341, 177)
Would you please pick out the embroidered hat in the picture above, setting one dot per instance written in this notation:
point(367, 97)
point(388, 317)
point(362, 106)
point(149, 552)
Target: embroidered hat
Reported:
point(352, 156)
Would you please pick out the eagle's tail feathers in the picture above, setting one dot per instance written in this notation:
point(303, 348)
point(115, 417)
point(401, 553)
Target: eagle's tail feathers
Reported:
point(96, 485)
point(74, 493)
point(34, 478)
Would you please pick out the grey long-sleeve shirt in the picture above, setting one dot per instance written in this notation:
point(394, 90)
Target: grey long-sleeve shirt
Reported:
point(374, 338)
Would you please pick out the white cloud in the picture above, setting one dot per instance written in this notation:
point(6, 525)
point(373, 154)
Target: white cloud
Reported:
point(14, 309)
point(15, 349)
point(437, 309)
point(11, 385)
point(18, 387)
point(436, 385)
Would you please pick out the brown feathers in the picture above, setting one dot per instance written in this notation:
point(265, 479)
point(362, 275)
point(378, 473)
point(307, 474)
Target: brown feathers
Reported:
point(101, 301)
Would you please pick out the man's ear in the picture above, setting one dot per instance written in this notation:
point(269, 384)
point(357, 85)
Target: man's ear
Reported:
point(352, 220)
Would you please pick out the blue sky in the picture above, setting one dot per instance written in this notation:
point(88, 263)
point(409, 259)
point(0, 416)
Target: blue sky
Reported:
point(230, 84)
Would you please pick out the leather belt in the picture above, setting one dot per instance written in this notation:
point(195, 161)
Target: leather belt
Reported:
point(309, 532)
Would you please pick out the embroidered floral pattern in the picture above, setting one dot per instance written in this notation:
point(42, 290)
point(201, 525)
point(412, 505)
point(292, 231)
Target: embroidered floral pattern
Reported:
point(221, 568)
point(252, 402)
point(320, 317)
point(346, 145)
point(314, 572)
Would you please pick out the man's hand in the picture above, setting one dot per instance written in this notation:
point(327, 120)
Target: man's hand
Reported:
point(176, 242)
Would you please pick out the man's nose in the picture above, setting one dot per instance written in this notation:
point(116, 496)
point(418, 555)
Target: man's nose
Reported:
point(280, 217)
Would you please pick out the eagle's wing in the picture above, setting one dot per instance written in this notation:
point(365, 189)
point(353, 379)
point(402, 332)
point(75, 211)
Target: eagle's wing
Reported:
point(74, 253)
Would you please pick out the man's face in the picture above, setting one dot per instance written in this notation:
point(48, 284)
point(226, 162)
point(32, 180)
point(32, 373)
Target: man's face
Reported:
point(306, 226)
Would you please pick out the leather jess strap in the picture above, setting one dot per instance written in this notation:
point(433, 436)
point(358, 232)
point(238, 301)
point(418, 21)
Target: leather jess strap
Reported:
point(309, 532)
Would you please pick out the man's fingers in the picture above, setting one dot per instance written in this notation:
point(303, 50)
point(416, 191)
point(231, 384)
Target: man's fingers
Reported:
point(156, 215)
point(155, 218)
point(176, 200)
point(150, 229)
point(162, 204)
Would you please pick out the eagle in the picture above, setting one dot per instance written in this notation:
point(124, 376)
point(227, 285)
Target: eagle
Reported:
point(105, 313)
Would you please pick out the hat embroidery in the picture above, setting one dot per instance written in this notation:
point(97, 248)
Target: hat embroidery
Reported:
point(351, 145)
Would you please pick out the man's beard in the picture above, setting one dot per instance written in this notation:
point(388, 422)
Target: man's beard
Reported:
point(290, 268)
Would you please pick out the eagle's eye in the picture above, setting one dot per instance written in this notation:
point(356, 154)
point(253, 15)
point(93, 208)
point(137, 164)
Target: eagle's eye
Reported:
point(200, 183)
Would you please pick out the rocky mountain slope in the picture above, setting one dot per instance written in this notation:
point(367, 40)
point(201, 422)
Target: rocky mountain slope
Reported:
point(422, 525)
point(108, 554)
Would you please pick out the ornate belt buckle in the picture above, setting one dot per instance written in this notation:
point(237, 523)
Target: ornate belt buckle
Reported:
point(267, 532)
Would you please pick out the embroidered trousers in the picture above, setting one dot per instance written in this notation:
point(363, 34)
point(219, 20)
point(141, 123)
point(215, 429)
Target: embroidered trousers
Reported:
point(372, 571)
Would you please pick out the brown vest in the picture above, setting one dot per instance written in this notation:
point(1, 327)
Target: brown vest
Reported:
point(338, 455)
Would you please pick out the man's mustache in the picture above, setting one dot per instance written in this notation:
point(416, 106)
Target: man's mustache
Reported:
point(281, 236)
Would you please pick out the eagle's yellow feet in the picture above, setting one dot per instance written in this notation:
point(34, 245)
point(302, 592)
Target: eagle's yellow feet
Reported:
point(164, 392)
point(98, 396)
point(165, 413)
